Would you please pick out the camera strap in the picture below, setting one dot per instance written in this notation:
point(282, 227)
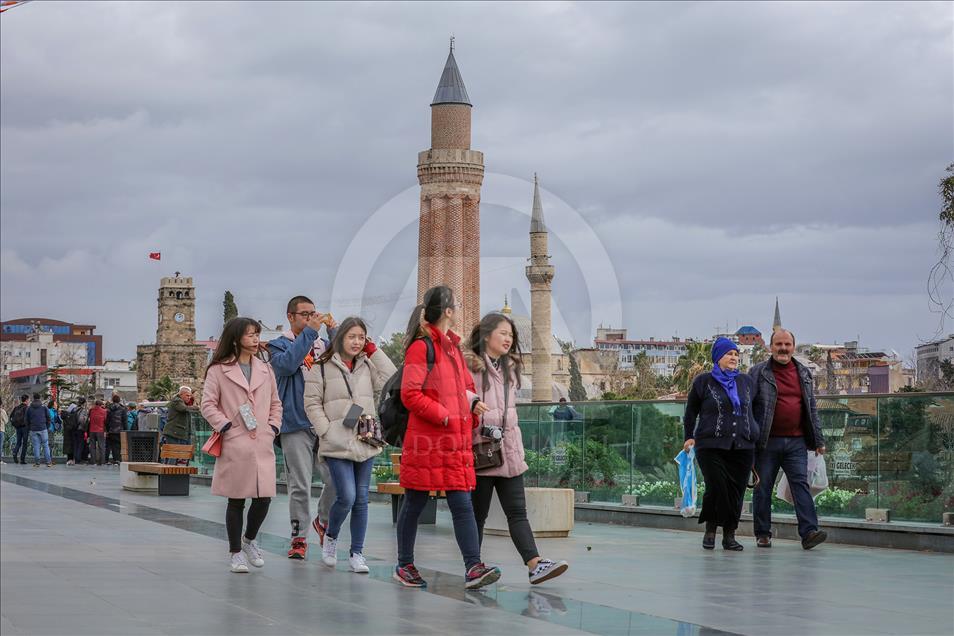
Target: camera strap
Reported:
point(344, 377)
point(506, 383)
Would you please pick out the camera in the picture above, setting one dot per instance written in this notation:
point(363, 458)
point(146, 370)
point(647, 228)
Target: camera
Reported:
point(493, 432)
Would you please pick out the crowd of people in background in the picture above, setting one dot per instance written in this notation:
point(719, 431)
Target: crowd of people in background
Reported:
point(90, 429)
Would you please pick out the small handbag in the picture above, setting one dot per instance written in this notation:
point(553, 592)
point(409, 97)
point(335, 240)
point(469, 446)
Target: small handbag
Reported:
point(488, 453)
point(213, 445)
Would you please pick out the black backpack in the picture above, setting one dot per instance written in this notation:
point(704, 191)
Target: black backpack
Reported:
point(18, 416)
point(391, 410)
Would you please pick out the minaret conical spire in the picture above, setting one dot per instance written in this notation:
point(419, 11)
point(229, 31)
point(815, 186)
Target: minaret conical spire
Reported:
point(777, 321)
point(536, 218)
point(451, 90)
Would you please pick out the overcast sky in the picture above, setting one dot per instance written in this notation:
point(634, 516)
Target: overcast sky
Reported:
point(698, 160)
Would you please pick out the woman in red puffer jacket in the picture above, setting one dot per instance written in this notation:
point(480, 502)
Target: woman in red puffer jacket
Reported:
point(437, 453)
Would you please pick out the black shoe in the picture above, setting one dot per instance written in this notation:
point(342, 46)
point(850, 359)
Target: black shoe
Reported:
point(763, 542)
point(729, 543)
point(708, 541)
point(813, 539)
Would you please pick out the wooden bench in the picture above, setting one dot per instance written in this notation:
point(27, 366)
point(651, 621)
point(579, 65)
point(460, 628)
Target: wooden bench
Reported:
point(173, 479)
point(393, 488)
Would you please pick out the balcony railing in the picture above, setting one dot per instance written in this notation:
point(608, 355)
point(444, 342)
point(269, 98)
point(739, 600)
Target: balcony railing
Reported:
point(884, 451)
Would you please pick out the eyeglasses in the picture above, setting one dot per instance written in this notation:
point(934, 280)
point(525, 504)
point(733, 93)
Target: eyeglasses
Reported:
point(305, 314)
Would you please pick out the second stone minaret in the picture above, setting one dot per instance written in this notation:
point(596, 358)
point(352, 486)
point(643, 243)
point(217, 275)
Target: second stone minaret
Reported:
point(450, 174)
point(540, 275)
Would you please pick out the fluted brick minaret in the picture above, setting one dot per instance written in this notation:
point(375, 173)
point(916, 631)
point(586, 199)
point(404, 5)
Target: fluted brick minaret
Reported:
point(450, 174)
point(540, 274)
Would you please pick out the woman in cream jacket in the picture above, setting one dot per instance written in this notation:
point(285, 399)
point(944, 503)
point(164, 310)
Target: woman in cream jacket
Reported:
point(350, 372)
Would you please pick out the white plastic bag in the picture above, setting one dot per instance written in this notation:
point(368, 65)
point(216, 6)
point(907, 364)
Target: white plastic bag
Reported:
point(687, 481)
point(817, 473)
point(817, 479)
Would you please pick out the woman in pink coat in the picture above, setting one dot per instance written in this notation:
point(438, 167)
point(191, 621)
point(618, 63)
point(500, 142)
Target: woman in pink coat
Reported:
point(240, 401)
point(493, 357)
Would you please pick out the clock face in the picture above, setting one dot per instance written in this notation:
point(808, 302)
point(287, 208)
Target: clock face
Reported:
point(179, 317)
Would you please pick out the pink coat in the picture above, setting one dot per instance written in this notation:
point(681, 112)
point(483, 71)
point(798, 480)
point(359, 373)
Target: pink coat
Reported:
point(246, 467)
point(493, 396)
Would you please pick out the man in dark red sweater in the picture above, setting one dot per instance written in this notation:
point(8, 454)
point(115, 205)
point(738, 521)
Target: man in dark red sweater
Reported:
point(784, 406)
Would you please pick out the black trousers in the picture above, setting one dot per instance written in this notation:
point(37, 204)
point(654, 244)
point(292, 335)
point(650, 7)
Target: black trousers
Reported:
point(233, 520)
point(79, 445)
point(513, 500)
point(21, 444)
point(113, 445)
point(726, 473)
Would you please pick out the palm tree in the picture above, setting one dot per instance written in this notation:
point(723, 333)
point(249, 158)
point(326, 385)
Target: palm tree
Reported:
point(697, 359)
point(162, 389)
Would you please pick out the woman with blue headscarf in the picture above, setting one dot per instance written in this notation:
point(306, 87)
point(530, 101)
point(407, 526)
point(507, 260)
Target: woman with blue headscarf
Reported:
point(720, 425)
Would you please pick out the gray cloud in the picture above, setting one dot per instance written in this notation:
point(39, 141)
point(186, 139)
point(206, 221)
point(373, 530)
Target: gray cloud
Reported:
point(763, 149)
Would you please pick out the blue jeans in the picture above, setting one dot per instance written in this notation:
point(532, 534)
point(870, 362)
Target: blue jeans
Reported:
point(2, 438)
point(465, 526)
point(41, 439)
point(352, 481)
point(791, 455)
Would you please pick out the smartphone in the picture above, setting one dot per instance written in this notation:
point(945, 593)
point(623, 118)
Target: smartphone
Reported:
point(351, 418)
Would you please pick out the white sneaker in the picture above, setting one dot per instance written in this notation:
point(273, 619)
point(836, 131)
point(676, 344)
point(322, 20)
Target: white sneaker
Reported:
point(253, 553)
point(546, 570)
point(329, 552)
point(239, 563)
point(358, 564)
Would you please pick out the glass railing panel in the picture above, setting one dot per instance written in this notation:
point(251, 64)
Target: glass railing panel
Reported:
point(916, 443)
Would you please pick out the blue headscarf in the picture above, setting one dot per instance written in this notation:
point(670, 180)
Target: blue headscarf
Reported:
point(721, 347)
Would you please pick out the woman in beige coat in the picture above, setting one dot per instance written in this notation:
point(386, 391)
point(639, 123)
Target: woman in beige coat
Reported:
point(341, 392)
point(240, 401)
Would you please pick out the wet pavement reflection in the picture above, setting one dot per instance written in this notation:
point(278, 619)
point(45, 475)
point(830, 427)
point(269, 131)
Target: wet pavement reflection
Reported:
point(540, 605)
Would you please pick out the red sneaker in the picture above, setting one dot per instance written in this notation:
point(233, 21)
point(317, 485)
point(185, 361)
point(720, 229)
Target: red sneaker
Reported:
point(299, 548)
point(409, 576)
point(321, 529)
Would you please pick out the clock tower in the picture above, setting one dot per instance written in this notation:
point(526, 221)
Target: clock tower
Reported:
point(176, 311)
point(175, 354)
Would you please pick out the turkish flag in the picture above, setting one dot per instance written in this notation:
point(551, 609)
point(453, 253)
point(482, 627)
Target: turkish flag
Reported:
point(155, 256)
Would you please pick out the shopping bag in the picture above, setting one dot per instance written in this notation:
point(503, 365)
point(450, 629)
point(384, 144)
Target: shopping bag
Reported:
point(687, 481)
point(817, 479)
point(817, 473)
point(213, 446)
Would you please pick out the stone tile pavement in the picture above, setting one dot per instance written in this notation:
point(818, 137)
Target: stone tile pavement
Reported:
point(80, 556)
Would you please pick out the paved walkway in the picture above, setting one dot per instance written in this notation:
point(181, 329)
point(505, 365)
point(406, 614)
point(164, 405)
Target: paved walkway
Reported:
point(80, 556)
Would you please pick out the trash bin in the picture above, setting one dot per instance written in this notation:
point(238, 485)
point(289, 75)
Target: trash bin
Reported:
point(139, 446)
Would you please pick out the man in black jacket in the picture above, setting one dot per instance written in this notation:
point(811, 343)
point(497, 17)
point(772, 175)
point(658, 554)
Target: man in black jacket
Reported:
point(115, 424)
point(18, 420)
point(38, 419)
point(784, 406)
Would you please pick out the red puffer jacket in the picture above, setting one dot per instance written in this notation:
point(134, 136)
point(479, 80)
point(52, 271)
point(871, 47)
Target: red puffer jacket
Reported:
point(435, 456)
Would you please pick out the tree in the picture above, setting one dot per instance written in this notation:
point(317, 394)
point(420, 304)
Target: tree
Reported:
point(946, 189)
point(229, 308)
point(947, 375)
point(577, 392)
point(394, 348)
point(64, 388)
point(162, 389)
point(941, 276)
point(697, 359)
